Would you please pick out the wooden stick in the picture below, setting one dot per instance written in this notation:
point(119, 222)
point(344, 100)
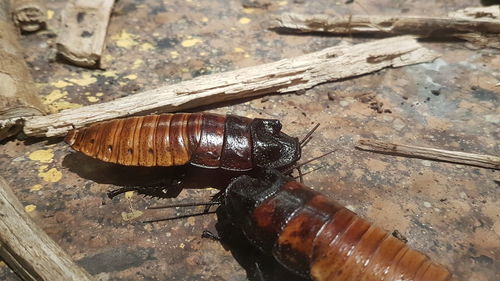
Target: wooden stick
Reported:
point(27, 249)
point(82, 36)
point(29, 15)
point(18, 94)
point(460, 24)
point(485, 161)
point(287, 75)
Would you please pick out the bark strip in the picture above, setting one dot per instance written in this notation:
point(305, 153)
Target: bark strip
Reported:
point(18, 93)
point(27, 249)
point(83, 33)
point(287, 75)
point(479, 160)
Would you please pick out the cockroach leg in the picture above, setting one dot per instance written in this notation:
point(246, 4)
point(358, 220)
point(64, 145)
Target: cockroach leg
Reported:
point(210, 235)
point(113, 193)
point(179, 217)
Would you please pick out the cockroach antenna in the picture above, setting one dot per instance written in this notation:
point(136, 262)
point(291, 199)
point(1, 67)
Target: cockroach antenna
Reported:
point(298, 166)
point(308, 137)
point(206, 212)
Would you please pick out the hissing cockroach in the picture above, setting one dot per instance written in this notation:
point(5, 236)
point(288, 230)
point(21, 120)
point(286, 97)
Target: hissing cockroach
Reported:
point(318, 238)
point(205, 140)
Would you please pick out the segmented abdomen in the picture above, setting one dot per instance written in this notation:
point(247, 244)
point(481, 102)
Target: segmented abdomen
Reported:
point(155, 140)
point(313, 235)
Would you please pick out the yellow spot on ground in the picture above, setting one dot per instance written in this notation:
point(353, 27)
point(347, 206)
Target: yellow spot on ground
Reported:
point(191, 221)
point(239, 50)
point(174, 54)
point(248, 10)
point(245, 20)
point(50, 14)
point(129, 194)
point(124, 39)
point(86, 80)
point(137, 63)
point(203, 54)
point(108, 73)
point(190, 42)
point(182, 245)
point(60, 84)
point(204, 19)
point(99, 94)
point(147, 46)
point(131, 77)
point(43, 155)
point(132, 215)
point(52, 175)
point(283, 3)
point(53, 96)
point(61, 105)
point(87, 93)
point(36, 187)
point(93, 99)
point(2, 264)
point(185, 70)
point(29, 208)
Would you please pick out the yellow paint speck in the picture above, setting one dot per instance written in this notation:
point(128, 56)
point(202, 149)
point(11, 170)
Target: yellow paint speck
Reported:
point(43, 155)
point(147, 46)
point(2, 264)
point(239, 50)
point(93, 99)
point(190, 42)
point(204, 19)
point(86, 80)
point(248, 10)
point(131, 215)
point(36, 187)
point(50, 14)
point(124, 39)
point(108, 73)
point(182, 245)
point(129, 194)
point(61, 105)
point(99, 94)
point(60, 84)
point(137, 63)
point(131, 77)
point(245, 20)
point(29, 208)
point(174, 54)
point(52, 175)
point(283, 3)
point(185, 70)
point(203, 54)
point(53, 96)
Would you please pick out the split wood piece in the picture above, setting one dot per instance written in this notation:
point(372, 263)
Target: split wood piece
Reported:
point(83, 31)
point(27, 249)
point(294, 74)
point(485, 161)
point(480, 25)
point(29, 15)
point(18, 93)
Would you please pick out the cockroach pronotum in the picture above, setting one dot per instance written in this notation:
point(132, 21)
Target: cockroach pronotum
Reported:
point(316, 237)
point(202, 139)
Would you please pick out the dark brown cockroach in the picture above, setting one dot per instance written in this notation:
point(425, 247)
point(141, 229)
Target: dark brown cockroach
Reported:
point(318, 238)
point(205, 140)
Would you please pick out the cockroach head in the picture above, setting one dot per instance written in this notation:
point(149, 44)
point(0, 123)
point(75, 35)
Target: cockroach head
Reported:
point(244, 193)
point(271, 147)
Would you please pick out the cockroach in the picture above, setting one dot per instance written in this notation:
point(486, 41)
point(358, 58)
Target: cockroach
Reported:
point(316, 237)
point(205, 140)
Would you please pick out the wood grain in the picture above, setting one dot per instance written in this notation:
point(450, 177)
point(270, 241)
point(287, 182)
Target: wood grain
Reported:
point(287, 75)
point(27, 249)
point(480, 160)
point(82, 36)
point(18, 94)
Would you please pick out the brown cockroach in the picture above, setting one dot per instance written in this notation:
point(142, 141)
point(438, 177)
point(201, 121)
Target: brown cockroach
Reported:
point(316, 237)
point(202, 139)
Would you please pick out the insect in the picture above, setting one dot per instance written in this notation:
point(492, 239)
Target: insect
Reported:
point(316, 237)
point(205, 140)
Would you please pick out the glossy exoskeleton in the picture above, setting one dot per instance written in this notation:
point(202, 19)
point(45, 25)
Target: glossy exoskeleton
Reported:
point(202, 139)
point(316, 237)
